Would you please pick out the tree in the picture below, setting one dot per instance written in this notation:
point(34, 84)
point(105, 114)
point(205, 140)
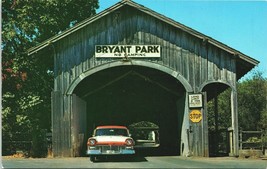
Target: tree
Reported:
point(224, 111)
point(252, 102)
point(28, 80)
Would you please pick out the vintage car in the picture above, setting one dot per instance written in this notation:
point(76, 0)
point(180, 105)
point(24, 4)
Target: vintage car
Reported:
point(110, 140)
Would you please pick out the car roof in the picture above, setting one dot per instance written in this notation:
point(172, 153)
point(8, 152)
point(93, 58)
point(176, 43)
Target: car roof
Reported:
point(116, 127)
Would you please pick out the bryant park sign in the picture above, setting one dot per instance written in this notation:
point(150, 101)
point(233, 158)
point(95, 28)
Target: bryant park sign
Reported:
point(115, 51)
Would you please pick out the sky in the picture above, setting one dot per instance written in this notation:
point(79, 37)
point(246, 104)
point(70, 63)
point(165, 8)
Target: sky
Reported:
point(241, 25)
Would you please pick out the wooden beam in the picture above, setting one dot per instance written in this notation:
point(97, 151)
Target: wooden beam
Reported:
point(234, 114)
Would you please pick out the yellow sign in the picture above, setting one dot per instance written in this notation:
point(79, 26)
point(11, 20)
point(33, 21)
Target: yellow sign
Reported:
point(195, 116)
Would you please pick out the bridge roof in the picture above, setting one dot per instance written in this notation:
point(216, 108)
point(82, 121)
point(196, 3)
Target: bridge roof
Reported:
point(247, 62)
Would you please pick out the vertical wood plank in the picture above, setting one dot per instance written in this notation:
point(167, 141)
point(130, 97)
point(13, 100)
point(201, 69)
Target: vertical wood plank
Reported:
point(205, 128)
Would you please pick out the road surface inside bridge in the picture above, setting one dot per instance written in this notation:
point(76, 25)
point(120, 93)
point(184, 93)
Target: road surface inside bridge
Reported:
point(134, 162)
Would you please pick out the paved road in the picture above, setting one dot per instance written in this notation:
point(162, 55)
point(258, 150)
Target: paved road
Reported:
point(135, 162)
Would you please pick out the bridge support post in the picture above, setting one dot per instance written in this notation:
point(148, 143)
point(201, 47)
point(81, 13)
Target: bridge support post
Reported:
point(234, 114)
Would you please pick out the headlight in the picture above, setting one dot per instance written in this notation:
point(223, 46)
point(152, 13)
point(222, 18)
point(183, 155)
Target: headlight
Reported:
point(91, 142)
point(129, 142)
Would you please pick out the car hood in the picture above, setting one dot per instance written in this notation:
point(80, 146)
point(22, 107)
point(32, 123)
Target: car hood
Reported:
point(111, 140)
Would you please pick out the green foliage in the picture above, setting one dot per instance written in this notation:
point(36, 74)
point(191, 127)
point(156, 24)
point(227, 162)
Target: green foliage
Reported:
point(252, 103)
point(143, 124)
point(39, 143)
point(137, 131)
point(224, 111)
point(28, 80)
point(254, 140)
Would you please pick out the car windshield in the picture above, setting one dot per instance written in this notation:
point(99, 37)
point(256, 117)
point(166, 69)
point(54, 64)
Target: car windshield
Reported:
point(111, 132)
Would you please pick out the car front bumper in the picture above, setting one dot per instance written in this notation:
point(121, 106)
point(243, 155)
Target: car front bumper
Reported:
point(109, 150)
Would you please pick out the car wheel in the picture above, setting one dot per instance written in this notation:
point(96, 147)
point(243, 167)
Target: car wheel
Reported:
point(92, 158)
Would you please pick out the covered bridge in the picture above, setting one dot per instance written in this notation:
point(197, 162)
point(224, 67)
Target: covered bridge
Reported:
point(129, 64)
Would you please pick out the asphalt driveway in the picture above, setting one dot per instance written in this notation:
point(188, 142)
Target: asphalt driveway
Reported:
point(134, 162)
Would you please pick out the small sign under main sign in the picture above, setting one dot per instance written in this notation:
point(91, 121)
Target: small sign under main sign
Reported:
point(117, 51)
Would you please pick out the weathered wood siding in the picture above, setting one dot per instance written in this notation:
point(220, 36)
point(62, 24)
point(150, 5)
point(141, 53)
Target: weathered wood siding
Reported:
point(78, 125)
point(194, 58)
point(60, 124)
point(197, 60)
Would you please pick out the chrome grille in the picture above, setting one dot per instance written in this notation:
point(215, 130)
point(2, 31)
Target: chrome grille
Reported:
point(111, 149)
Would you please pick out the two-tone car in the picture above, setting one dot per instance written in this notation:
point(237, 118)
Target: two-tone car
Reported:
point(110, 140)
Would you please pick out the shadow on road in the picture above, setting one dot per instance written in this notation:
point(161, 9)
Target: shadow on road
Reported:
point(140, 155)
point(145, 152)
point(132, 158)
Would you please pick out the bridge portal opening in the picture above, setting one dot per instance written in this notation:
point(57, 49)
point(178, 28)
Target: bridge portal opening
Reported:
point(125, 95)
point(219, 118)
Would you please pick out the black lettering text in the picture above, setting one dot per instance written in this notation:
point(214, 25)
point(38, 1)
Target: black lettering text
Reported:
point(98, 49)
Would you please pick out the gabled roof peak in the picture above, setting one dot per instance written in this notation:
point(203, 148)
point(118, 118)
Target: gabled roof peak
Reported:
point(151, 13)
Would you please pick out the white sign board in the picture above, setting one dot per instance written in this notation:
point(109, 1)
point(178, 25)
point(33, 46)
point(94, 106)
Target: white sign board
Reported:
point(119, 51)
point(195, 100)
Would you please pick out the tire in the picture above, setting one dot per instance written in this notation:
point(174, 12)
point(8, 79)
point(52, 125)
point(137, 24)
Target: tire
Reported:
point(93, 158)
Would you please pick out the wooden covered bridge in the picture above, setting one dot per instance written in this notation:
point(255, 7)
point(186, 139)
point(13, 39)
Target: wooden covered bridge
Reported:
point(129, 64)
